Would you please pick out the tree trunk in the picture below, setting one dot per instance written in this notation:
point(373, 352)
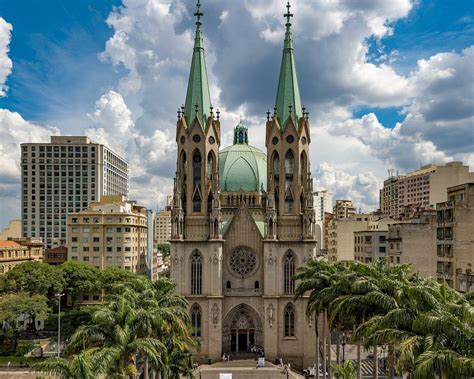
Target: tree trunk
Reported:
point(359, 361)
point(329, 347)
point(316, 330)
point(323, 334)
point(391, 361)
point(338, 346)
point(146, 376)
point(376, 363)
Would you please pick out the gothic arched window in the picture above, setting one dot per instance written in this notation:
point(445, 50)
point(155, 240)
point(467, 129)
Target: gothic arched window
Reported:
point(196, 273)
point(197, 165)
point(276, 177)
point(196, 317)
point(303, 167)
point(289, 170)
point(289, 320)
point(197, 170)
point(211, 166)
point(289, 272)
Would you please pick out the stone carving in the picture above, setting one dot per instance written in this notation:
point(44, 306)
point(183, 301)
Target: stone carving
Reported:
point(215, 314)
point(271, 259)
point(271, 312)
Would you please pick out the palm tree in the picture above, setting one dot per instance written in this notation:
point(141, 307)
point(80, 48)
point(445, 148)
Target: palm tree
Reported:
point(86, 365)
point(345, 370)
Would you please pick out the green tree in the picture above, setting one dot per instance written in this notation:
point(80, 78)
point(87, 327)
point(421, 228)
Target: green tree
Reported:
point(165, 249)
point(112, 276)
point(79, 278)
point(34, 278)
point(345, 370)
point(16, 305)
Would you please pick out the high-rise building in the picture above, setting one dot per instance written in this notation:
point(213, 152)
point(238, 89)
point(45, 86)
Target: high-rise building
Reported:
point(370, 245)
point(64, 176)
point(322, 204)
point(344, 209)
point(19, 250)
point(413, 241)
point(455, 242)
point(422, 188)
point(111, 232)
point(243, 221)
point(162, 227)
point(341, 242)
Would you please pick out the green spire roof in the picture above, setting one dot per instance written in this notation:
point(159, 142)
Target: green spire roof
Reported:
point(197, 95)
point(288, 93)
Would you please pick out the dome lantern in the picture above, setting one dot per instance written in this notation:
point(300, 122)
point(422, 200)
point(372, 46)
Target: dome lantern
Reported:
point(241, 134)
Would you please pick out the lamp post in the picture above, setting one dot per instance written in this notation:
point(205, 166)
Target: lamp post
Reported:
point(343, 343)
point(59, 295)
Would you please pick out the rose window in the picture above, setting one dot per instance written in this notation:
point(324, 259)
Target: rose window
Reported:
point(243, 261)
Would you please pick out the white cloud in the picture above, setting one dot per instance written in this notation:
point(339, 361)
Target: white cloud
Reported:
point(14, 130)
point(5, 62)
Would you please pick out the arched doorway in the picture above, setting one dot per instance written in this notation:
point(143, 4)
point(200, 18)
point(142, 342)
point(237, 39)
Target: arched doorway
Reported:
point(242, 329)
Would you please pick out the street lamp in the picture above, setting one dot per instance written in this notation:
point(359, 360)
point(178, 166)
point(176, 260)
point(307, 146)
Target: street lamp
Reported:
point(59, 295)
point(343, 343)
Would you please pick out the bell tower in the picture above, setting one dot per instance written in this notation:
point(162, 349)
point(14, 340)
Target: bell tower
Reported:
point(289, 197)
point(196, 206)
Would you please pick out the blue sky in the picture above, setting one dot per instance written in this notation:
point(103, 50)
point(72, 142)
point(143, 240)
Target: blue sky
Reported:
point(363, 67)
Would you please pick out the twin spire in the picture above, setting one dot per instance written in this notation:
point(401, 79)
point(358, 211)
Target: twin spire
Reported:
point(198, 98)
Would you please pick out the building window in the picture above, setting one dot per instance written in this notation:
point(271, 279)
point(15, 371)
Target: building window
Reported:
point(289, 320)
point(196, 273)
point(289, 272)
point(196, 320)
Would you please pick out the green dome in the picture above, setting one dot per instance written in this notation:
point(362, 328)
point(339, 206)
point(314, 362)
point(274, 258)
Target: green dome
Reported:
point(242, 167)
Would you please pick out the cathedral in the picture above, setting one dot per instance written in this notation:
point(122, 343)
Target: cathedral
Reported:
point(243, 221)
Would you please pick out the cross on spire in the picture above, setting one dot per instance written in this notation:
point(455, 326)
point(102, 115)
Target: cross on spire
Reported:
point(288, 15)
point(198, 13)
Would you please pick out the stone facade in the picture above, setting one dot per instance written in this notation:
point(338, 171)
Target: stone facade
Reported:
point(19, 250)
point(242, 224)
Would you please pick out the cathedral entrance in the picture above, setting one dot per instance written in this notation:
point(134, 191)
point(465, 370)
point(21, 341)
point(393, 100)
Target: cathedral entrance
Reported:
point(242, 330)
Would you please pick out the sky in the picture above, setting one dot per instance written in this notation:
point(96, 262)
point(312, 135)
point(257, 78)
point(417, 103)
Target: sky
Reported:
point(388, 84)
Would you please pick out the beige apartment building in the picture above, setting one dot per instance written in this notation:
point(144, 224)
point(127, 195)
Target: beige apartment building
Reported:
point(455, 238)
point(423, 188)
point(370, 245)
point(162, 227)
point(112, 232)
point(13, 230)
point(413, 241)
point(19, 250)
point(344, 209)
point(341, 243)
point(63, 176)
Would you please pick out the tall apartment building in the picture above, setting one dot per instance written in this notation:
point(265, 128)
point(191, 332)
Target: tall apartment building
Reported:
point(112, 232)
point(413, 241)
point(64, 176)
point(422, 188)
point(341, 243)
point(19, 250)
point(344, 209)
point(322, 204)
point(162, 227)
point(370, 245)
point(455, 238)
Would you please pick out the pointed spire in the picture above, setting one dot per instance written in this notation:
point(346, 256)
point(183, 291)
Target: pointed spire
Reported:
point(198, 98)
point(288, 93)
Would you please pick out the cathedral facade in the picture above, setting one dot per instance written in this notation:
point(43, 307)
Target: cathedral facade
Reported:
point(243, 221)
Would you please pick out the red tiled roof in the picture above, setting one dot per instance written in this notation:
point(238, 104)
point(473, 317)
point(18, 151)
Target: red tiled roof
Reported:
point(11, 244)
